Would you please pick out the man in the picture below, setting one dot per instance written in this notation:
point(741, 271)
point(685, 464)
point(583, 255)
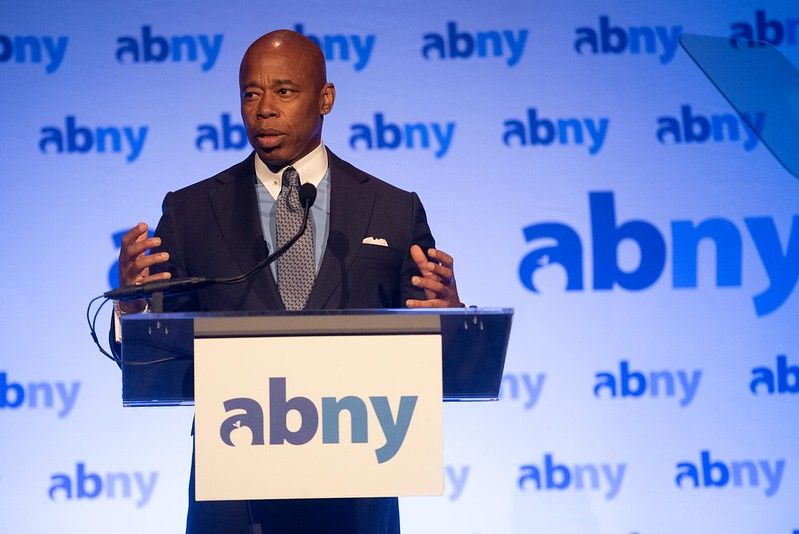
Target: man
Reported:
point(364, 249)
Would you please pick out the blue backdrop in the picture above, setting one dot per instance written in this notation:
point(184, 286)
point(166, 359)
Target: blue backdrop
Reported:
point(572, 158)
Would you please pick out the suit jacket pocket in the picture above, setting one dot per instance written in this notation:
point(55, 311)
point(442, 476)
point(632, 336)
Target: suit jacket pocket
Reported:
point(386, 256)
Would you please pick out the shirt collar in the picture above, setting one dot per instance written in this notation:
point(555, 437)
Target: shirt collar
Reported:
point(312, 167)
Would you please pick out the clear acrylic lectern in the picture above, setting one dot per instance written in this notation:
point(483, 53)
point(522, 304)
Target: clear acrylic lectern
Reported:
point(758, 81)
point(157, 348)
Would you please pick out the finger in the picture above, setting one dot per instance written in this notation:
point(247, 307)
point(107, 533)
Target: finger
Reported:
point(417, 255)
point(433, 271)
point(129, 253)
point(429, 274)
point(131, 276)
point(445, 273)
point(130, 273)
point(429, 284)
point(433, 303)
point(146, 261)
point(133, 271)
point(441, 256)
point(133, 234)
point(139, 247)
point(166, 275)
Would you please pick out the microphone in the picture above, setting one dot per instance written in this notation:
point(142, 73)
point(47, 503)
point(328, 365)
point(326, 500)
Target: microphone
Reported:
point(307, 195)
point(167, 287)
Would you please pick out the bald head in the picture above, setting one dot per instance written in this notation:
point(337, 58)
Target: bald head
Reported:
point(284, 95)
point(293, 44)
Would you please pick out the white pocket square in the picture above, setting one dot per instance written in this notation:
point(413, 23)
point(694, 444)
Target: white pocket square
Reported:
point(375, 241)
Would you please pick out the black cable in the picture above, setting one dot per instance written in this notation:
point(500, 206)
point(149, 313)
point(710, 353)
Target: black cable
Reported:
point(92, 322)
point(242, 277)
point(93, 330)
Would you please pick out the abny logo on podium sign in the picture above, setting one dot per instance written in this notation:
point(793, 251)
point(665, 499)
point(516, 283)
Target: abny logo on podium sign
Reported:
point(323, 416)
point(394, 428)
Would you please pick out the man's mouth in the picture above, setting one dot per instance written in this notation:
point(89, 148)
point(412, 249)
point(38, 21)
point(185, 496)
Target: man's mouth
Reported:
point(269, 138)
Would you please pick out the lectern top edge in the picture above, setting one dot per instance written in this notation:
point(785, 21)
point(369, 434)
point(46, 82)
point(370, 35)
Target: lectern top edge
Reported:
point(157, 349)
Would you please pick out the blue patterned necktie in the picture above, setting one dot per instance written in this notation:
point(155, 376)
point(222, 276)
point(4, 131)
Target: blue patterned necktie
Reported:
point(296, 269)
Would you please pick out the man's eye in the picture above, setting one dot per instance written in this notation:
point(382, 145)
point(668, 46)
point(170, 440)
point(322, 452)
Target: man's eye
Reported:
point(283, 91)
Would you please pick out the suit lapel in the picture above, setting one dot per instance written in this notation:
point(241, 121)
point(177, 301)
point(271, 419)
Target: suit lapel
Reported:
point(351, 207)
point(235, 206)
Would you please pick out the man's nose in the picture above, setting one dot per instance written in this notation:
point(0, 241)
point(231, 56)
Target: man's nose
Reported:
point(267, 107)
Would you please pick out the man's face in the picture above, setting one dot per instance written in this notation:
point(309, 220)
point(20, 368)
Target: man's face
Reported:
point(283, 98)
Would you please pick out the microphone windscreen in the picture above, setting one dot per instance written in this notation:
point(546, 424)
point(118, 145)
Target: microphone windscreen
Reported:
point(307, 195)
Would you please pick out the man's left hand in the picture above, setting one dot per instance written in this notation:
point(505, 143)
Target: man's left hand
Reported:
point(436, 277)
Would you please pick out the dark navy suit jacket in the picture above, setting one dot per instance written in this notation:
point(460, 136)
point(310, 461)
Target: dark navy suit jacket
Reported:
point(213, 229)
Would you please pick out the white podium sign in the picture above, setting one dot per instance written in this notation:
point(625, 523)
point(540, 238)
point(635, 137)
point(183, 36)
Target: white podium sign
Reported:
point(322, 416)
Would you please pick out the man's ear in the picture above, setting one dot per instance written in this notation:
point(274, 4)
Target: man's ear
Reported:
point(327, 97)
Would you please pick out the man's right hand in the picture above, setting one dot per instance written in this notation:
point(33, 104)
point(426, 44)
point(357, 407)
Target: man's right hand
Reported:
point(135, 262)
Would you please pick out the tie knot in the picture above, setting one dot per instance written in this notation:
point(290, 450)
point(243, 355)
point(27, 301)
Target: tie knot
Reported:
point(290, 177)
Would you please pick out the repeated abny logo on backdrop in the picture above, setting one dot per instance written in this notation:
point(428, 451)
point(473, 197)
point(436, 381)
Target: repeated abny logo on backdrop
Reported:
point(458, 43)
point(353, 48)
point(691, 126)
point(456, 477)
point(78, 138)
point(607, 38)
point(781, 379)
point(778, 254)
point(715, 473)
point(384, 134)
point(84, 484)
point(149, 47)
point(772, 31)
point(227, 134)
point(633, 383)
point(537, 129)
point(522, 388)
point(47, 50)
point(552, 475)
point(58, 396)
